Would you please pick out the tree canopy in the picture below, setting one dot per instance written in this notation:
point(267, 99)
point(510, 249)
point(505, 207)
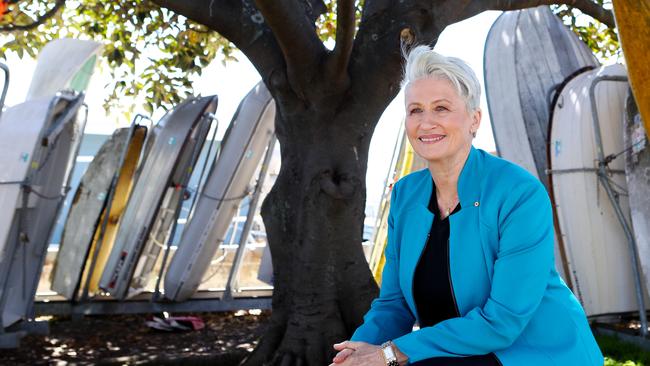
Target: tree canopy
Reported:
point(152, 52)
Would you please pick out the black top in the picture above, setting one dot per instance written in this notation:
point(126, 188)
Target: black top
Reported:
point(432, 292)
point(431, 283)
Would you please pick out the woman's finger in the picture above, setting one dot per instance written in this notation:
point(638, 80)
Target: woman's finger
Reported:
point(341, 356)
point(348, 344)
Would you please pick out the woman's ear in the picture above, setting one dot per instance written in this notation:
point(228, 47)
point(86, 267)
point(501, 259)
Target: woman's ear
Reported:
point(476, 119)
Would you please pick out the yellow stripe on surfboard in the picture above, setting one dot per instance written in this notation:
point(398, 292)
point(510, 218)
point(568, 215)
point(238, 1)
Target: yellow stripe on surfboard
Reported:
point(633, 23)
point(407, 162)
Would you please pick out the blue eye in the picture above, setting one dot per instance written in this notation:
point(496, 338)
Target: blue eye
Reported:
point(415, 110)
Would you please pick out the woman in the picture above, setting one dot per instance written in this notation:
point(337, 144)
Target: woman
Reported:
point(470, 248)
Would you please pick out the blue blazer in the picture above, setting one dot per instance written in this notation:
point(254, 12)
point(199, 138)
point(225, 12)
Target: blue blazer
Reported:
point(511, 299)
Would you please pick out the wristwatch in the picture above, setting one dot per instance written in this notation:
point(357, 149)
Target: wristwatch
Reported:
point(389, 354)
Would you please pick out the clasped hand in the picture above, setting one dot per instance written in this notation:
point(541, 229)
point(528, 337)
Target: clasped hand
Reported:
point(357, 354)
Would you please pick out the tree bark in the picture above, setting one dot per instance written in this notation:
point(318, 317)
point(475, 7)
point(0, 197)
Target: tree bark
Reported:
point(314, 219)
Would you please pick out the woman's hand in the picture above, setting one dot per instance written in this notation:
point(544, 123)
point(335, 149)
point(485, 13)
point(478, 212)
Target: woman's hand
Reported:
point(357, 354)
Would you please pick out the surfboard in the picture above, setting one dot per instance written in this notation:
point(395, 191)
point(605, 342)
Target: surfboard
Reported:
point(63, 63)
point(596, 246)
point(637, 174)
point(49, 155)
point(169, 211)
point(88, 205)
point(528, 53)
point(633, 23)
point(122, 191)
point(16, 151)
point(154, 179)
point(242, 149)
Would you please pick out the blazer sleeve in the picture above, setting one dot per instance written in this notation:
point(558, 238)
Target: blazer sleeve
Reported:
point(521, 270)
point(389, 316)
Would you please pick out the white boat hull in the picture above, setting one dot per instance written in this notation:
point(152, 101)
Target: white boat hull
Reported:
point(597, 249)
point(242, 150)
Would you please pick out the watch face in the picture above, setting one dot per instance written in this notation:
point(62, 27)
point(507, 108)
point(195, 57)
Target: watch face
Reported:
point(389, 355)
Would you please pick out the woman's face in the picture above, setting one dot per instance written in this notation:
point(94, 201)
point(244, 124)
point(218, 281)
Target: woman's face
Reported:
point(438, 124)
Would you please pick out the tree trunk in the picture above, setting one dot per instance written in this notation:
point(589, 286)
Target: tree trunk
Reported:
point(314, 218)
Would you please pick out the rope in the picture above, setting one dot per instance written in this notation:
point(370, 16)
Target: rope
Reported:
point(248, 193)
point(30, 189)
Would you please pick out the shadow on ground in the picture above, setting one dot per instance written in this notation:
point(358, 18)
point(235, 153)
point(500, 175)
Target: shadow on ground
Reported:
point(125, 339)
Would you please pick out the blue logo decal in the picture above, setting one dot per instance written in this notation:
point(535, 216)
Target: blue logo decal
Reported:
point(558, 147)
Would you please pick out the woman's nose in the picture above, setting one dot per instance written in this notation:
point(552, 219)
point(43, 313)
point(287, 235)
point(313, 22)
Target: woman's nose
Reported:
point(429, 120)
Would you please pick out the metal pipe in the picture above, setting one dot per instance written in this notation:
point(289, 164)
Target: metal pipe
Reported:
point(602, 177)
point(202, 176)
point(5, 87)
point(233, 277)
point(579, 170)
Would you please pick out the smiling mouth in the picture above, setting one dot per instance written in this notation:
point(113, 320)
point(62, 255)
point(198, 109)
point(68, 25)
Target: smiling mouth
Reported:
point(431, 139)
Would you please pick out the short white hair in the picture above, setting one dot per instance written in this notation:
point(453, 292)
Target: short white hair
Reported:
point(423, 62)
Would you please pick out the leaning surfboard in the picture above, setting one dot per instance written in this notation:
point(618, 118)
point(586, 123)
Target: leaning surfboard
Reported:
point(64, 63)
point(183, 122)
point(596, 246)
point(637, 173)
point(102, 243)
point(633, 23)
point(88, 205)
point(242, 149)
point(44, 150)
point(170, 209)
point(528, 54)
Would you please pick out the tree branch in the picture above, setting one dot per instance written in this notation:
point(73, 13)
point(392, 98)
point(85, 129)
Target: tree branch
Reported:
point(376, 60)
point(375, 64)
point(242, 24)
point(296, 34)
point(40, 20)
point(340, 57)
point(586, 6)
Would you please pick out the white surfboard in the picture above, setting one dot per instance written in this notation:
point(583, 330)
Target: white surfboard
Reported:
point(64, 63)
point(49, 163)
point(176, 127)
point(16, 149)
point(527, 54)
point(82, 221)
point(169, 210)
point(597, 249)
point(242, 149)
point(637, 173)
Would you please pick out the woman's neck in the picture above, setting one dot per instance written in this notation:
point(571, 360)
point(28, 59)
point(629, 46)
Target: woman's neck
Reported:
point(446, 172)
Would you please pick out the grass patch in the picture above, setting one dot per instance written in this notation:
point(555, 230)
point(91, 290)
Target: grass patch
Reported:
point(619, 353)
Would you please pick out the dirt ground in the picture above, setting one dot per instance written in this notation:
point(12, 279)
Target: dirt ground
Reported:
point(125, 339)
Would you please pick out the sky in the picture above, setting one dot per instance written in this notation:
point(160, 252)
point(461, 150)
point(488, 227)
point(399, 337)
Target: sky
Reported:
point(231, 83)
